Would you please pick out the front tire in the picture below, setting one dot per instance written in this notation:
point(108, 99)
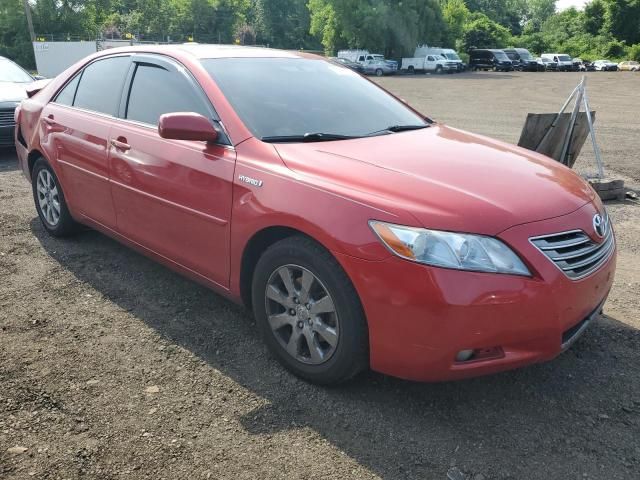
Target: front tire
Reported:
point(379, 72)
point(50, 201)
point(309, 313)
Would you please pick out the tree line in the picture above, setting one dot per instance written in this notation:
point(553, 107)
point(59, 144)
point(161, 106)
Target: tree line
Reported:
point(605, 28)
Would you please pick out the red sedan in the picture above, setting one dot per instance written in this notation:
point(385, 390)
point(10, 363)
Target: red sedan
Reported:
point(361, 233)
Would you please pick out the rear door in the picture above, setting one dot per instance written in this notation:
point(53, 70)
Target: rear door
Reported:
point(171, 196)
point(76, 125)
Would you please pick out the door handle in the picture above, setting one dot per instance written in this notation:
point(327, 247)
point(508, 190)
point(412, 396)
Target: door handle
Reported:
point(49, 120)
point(117, 144)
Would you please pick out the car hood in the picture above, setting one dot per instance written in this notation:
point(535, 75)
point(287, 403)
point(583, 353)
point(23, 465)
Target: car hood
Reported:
point(446, 178)
point(13, 92)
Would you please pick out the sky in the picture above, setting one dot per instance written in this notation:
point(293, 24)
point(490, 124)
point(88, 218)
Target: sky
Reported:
point(564, 4)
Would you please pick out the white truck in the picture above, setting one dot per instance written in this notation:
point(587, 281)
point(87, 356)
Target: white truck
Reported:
point(428, 63)
point(374, 63)
point(448, 53)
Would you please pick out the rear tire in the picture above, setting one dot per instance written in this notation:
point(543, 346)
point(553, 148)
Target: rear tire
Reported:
point(412, 70)
point(439, 69)
point(379, 72)
point(50, 201)
point(309, 313)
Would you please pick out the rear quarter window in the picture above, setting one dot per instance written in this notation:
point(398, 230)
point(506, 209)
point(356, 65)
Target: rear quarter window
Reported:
point(68, 93)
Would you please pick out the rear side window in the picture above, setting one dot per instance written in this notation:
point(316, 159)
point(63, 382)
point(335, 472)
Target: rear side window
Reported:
point(101, 85)
point(67, 94)
point(156, 91)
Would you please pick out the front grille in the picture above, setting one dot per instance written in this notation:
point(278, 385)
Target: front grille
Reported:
point(6, 117)
point(575, 253)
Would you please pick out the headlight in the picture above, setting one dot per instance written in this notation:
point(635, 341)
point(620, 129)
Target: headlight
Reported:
point(461, 251)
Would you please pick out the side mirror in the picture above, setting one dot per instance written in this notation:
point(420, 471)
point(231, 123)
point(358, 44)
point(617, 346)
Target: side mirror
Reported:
point(187, 126)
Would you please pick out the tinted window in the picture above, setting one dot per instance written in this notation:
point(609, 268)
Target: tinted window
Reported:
point(294, 96)
point(156, 91)
point(101, 84)
point(65, 97)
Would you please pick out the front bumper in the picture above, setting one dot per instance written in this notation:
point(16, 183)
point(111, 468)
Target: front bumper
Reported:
point(420, 317)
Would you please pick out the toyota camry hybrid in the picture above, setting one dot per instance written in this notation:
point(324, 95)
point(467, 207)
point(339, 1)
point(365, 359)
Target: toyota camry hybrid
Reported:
point(361, 233)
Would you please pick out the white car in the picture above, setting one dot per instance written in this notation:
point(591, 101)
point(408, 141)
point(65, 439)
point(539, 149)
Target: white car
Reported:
point(605, 66)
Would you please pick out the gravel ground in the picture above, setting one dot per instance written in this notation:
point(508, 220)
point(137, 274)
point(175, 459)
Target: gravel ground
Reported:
point(113, 367)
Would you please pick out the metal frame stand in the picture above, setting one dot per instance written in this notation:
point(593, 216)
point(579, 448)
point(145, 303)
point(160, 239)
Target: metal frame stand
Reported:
point(579, 94)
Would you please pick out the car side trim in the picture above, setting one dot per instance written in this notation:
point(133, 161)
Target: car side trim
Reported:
point(219, 221)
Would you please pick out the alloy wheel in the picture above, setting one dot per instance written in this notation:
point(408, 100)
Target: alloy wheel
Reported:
point(48, 197)
point(302, 315)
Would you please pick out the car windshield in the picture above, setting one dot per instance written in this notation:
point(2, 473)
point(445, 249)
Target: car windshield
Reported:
point(452, 56)
point(10, 72)
point(525, 55)
point(564, 58)
point(501, 55)
point(277, 97)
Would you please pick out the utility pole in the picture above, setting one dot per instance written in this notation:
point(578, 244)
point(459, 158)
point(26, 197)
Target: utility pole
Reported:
point(27, 12)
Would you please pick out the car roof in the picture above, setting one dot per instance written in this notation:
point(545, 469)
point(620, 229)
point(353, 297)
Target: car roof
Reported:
point(201, 51)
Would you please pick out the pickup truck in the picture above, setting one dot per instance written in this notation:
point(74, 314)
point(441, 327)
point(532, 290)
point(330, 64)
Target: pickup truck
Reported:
point(429, 63)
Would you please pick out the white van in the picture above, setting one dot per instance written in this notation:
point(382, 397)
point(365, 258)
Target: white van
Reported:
point(450, 54)
point(564, 61)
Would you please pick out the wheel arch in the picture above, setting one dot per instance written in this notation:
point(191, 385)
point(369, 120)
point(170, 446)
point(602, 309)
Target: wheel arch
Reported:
point(259, 242)
point(33, 156)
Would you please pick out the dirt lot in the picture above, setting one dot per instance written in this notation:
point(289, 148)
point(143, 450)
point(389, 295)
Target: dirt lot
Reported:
point(113, 367)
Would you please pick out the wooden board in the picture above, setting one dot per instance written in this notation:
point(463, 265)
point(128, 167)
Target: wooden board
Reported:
point(608, 189)
point(536, 126)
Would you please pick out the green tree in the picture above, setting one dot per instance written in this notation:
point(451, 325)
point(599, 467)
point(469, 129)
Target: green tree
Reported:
point(455, 14)
point(482, 32)
point(594, 14)
point(622, 20)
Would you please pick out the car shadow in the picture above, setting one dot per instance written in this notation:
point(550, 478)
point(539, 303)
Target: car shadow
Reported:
point(578, 413)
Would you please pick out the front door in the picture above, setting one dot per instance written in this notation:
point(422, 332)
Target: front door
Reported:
point(171, 196)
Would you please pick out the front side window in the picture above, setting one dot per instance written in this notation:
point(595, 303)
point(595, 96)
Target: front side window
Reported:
point(296, 96)
point(156, 91)
point(101, 85)
point(500, 56)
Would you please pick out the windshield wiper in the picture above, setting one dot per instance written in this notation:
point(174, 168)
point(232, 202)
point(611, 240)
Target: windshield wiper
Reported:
point(307, 137)
point(398, 128)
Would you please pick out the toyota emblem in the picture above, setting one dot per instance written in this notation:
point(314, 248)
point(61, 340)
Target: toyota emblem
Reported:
point(599, 225)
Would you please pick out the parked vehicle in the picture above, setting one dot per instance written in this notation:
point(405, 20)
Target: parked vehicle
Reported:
point(629, 66)
point(547, 64)
point(374, 64)
point(523, 60)
point(380, 248)
point(13, 82)
point(356, 67)
point(564, 62)
point(448, 53)
point(605, 66)
point(489, 59)
point(583, 65)
point(429, 64)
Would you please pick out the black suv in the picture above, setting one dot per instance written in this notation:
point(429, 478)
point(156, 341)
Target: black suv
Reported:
point(489, 59)
point(522, 60)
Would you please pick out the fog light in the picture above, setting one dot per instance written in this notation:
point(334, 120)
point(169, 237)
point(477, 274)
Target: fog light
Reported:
point(464, 355)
